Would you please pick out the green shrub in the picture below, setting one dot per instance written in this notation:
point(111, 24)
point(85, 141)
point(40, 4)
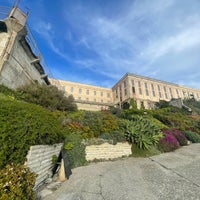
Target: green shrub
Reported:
point(76, 152)
point(192, 136)
point(7, 91)
point(91, 124)
point(175, 118)
point(142, 132)
point(117, 112)
point(54, 159)
point(115, 137)
point(48, 96)
point(22, 125)
point(138, 152)
point(193, 104)
point(16, 182)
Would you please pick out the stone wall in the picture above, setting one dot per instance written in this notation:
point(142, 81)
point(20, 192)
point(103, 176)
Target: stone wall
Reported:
point(107, 151)
point(39, 160)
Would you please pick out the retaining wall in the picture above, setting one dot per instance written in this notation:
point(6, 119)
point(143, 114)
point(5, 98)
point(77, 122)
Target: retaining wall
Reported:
point(107, 151)
point(39, 160)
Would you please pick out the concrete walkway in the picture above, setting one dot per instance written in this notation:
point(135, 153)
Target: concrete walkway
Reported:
point(169, 176)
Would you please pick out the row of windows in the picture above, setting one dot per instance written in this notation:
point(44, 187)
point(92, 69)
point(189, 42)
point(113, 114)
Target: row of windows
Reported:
point(167, 94)
point(87, 91)
point(94, 100)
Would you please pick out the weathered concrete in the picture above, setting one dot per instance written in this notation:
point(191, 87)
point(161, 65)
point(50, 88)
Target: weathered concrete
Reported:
point(18, 64)
point(167, 176)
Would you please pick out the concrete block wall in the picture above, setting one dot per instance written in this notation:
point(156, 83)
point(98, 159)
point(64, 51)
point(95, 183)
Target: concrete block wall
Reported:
point(107, 151)
point(39, 160)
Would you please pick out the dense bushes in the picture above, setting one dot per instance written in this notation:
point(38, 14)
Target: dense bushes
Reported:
point(168, 142)
point(16, 182)
point(91, 124)
point(172, 140)
point(179, 136)
point(47, 96)
point(192, 136)
point(22, 125)
point(193, 104)
point(142, 132)
point(75, 149)
point(175, 118)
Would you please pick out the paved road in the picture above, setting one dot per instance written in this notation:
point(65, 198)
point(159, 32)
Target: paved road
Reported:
point(173, 176)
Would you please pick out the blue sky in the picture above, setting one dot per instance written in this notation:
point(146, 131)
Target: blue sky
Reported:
point(98, 41)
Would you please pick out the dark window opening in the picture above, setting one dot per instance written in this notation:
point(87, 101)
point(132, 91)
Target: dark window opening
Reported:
point(3, 27)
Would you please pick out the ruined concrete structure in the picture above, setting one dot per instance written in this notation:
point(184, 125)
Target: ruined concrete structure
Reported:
point(19, 64)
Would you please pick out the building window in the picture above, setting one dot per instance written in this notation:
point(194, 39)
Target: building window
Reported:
point(125, 91)
point(80, 91)
point(116, 94)
point(159, 91)
point(153, 91)
point(146, 89)
point(95, 93)
point(124, 84)
point(95, 100)
point(87, 99)
point(165, 90)
point(101, 94)
point(133, 86)
point(139, 87)
point(101, 100)
point(72, 89)
point(87, 92)
point(79, 98)
point(108, 95)
point(120, 88)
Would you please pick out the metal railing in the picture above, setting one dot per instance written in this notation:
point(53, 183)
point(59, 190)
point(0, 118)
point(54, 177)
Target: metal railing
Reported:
point(4, 13)
point(34, 47)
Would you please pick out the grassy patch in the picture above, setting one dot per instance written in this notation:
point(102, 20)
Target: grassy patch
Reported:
point(136, 152)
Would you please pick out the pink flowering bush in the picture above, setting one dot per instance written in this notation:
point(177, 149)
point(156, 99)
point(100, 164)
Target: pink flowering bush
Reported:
point(180, 137)
point(168, 142)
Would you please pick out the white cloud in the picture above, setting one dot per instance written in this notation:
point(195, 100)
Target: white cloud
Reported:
point(153, 38)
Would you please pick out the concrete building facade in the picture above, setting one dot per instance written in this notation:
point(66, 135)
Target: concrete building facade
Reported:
point(19, 65)
point(87, 97)
point(143, 90)
point(147, 91)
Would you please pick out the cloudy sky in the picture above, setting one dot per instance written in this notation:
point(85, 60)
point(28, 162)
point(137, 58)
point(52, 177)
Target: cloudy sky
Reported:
point(98, 41)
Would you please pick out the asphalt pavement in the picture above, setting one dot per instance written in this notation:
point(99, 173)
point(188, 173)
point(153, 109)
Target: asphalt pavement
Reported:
point(168, 176)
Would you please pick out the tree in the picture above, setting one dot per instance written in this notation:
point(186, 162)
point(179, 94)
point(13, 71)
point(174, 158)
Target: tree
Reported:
point(47, 96)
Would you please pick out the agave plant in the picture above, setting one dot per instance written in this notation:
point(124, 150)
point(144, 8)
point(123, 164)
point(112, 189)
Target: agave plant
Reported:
point(142, 132)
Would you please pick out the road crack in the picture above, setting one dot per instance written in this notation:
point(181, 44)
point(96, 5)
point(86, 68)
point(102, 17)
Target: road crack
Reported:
point(173, 171)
